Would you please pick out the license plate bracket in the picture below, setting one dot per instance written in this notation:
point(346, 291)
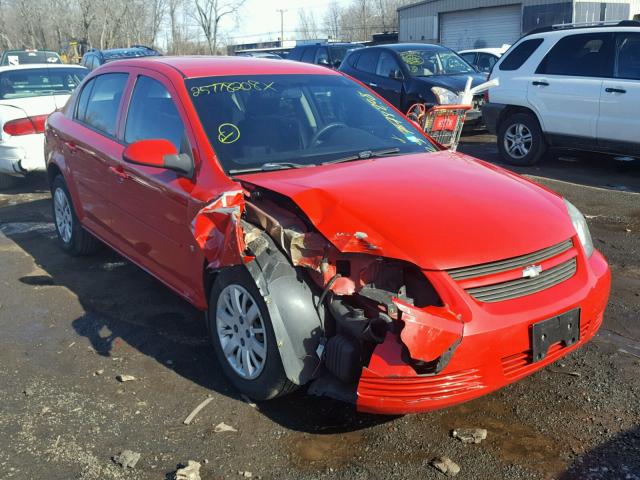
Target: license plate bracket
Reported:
point(563, 328)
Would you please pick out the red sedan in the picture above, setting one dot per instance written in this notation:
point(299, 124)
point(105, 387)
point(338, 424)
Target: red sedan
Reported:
point(329, 240)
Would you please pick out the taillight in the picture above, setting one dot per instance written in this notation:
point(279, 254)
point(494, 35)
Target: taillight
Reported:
point(486, 96)
point(25, 126)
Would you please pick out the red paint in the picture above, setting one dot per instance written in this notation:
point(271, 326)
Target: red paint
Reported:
point(149, 152)
point(437, 211)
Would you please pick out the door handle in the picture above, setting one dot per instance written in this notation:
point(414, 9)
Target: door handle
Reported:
point(539, 83)
point(119, 172)
point(614, 90)
point(71, 146)
point(374, 85)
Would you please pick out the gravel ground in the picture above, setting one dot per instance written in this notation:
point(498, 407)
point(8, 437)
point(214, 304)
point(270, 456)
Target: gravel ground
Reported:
point(71, 325)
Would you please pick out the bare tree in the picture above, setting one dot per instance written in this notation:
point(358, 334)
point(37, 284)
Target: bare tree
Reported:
point(332, 20)
point(209, 13)
point(307, 26)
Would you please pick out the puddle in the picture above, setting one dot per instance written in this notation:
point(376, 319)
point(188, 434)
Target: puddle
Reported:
point(319, 452)
point(508, 438)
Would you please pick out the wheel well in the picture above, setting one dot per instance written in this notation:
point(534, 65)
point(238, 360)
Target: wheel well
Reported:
point(208, 277)
point(513, 109)
point(52, 172)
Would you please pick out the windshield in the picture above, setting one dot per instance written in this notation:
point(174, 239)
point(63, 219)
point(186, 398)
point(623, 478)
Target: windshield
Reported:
point(303, 119)
point(22, 57)
point(36, 82)
point(428, 62)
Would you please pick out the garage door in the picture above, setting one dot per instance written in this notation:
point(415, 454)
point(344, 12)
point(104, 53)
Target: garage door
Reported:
point(480, 27)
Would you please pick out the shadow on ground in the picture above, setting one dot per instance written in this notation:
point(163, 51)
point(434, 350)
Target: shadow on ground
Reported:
point(125, 304)
point(616, 459)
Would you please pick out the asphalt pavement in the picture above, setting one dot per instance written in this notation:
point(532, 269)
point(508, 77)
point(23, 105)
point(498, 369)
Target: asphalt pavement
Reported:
point(70, 326)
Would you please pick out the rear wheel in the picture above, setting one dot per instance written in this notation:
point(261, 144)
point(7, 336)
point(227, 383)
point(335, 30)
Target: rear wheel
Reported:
point(73, 238)
point(520, 140)
point(7, 181)
point(243, 337)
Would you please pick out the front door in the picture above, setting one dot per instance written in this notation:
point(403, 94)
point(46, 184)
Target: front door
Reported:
point(389, 79)
point(153, 204)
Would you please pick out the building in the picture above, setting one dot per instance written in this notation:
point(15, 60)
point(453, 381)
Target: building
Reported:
point(461, 24)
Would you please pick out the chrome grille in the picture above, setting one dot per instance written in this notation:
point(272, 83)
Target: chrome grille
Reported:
point(525, 286)
point(466, 273)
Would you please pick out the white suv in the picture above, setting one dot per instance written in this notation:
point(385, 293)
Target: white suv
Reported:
point(568, 87)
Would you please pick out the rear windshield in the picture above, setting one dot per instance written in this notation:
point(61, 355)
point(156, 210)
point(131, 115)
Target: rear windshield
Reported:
point(36, 82)
point(428, 62)
point(304, 119)
point(21, 58)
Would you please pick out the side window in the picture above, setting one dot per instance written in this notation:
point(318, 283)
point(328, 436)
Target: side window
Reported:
point(309, 55)
point(322, 56)
point(486, 61)
point(586, 55)
point(83, 99)
point(628, 56)
point(469, 57)
point(520, 54)
point(368, 61)
point(153, 115)
point(387, 65)
point(352, 59)
point(101, 111)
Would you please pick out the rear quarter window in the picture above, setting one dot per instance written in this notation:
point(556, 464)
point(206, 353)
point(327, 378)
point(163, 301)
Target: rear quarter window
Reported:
point(520, 54)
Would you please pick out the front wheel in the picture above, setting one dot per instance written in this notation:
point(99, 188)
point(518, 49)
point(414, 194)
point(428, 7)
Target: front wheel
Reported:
point(243, 337)
point(520, 140)
point(73, 238)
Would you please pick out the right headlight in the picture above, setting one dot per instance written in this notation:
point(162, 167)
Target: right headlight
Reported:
point(445, 96)
point(581, 227)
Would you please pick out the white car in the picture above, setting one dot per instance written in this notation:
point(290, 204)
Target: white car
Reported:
point(484, 58)
point(568, 87)
point(28, 94)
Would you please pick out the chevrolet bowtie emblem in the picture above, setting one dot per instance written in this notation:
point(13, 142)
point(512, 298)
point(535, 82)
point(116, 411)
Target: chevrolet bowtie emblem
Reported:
point(531, 271)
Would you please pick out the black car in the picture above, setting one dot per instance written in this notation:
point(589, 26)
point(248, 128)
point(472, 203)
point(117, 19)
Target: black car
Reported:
point(94, 58)
point(326, 54)
point(405, 74)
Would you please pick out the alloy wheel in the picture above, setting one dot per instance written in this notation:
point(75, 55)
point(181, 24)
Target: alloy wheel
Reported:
point(241, 331)
point(518, 140)
point(64, 219)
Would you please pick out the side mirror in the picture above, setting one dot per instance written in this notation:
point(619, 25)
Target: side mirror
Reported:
point(396, 74)
point(158, 153)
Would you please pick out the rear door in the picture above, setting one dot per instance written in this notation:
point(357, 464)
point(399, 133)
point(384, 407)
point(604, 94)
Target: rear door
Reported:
point(565, 88)
point(92, 150)
point(152, 204)
point(619, 122)
point(366, 66)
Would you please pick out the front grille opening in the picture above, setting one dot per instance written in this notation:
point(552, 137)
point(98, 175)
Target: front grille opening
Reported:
point(525, 286)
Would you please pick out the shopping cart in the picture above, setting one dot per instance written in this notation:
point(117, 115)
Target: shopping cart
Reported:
point(443, 123)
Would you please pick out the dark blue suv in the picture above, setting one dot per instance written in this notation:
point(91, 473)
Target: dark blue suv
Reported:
point(94, 58)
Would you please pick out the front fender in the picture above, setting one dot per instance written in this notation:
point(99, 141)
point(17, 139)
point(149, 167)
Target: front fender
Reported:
point(291, 304)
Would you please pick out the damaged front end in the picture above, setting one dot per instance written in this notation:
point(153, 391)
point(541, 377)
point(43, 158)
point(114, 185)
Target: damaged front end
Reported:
point(341, 311)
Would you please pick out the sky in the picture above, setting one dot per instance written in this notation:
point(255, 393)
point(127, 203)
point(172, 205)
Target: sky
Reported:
point(260, 20)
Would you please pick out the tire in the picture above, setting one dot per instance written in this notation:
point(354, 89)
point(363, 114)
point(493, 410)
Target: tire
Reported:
point(73, 238)
point(520, 140)
point(7, 181)
point(268, 379)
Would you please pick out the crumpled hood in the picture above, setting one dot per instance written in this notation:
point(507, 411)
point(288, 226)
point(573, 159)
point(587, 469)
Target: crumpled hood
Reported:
point(455, 83)
point(437, 210)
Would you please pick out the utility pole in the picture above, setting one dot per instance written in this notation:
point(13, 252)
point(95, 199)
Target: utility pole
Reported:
point(281, 10)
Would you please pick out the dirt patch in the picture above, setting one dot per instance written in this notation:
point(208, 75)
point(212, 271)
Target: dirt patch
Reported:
point(320, 452)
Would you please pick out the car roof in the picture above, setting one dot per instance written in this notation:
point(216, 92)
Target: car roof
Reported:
point(403, 47)
point(28, 50)
point(494, 51)
point(28, 66)
point(328, 44)
point(210, 66)
point(563, 32)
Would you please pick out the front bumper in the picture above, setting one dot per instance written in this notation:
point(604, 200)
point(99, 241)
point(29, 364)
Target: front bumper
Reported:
point(495, 349)
point(490, 114)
